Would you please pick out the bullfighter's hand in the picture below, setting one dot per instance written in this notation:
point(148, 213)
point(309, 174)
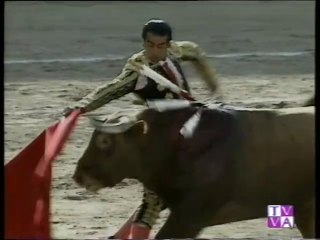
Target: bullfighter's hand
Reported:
point(68, 110)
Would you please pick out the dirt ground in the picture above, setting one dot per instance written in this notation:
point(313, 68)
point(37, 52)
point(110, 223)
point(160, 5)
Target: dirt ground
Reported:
point(57, 52)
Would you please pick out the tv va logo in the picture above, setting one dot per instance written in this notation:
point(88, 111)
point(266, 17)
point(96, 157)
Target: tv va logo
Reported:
point(280, 216)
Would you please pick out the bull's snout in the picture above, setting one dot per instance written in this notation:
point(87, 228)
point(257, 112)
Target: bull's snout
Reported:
point(77, 177)
point(86, 181)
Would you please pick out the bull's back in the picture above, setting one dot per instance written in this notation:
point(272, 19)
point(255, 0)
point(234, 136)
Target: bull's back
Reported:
point(279, 154)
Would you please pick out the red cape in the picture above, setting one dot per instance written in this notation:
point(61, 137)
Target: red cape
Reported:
point(28, 182)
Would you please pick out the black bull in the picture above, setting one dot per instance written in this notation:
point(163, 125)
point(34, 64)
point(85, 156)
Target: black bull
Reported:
point(236, 163)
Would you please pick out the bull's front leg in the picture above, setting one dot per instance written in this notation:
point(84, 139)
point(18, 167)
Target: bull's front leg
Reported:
point(180, 226)
point(187, 219)
point(190, 216)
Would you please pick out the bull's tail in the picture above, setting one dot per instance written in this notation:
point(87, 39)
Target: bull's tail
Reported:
point(309, 102)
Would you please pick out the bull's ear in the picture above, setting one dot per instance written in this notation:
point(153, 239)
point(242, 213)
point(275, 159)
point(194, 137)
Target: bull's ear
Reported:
point(139, 128)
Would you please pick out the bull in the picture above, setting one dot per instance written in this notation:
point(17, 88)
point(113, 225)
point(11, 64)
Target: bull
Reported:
point(231, 165)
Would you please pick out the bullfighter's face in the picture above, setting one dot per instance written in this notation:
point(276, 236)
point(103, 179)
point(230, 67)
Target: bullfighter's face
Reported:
point(156, 47)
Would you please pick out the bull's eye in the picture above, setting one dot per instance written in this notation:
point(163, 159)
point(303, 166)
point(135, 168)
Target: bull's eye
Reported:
point(103, 141)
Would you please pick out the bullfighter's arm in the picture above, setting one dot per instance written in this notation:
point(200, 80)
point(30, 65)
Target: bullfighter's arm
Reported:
point(190, 51)
point(120, 86)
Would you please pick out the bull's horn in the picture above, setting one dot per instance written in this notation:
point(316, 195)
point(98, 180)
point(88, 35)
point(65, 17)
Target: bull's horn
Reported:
point(97, 117)
point(117, 125)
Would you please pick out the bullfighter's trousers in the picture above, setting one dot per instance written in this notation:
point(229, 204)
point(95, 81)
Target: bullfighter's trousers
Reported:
point(148, 212)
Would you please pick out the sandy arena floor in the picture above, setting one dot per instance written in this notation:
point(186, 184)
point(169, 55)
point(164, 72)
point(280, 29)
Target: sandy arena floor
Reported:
point(58, 52)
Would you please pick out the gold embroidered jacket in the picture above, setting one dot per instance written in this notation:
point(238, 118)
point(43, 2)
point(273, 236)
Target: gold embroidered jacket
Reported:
point(126, 81)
